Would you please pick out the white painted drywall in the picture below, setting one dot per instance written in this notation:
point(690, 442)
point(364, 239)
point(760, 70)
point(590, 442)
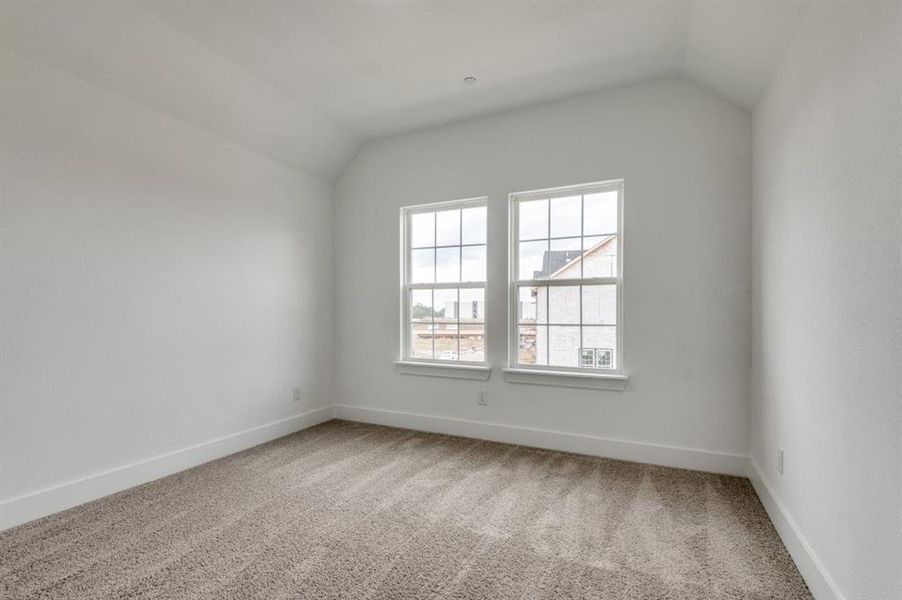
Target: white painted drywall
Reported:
point(124, 49)
point(161, 286)
point(686, 157)
point(827, 350)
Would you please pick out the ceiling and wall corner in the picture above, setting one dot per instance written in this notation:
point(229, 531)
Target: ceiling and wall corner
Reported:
point(309, 83)
point(130, 52)
point(732, 48)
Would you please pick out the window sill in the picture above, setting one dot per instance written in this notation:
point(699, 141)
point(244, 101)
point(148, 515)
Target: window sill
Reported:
point(412, 367)
point(594, 381)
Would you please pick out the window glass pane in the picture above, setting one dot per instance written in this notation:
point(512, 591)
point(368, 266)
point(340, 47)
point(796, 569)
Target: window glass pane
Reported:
point(422, 229)
point(445, 305)
point(530, 259)
point(565, 216)
point(422, 266)
point(421, 340)
point(604, 358)
point(472, 342)
point(533, 219)
point(421, 305)
point(565, 252)
point(541, 345)
point(526, 304)
point(447, 264)
point(541, 304)
point(566, 244)
point(600, 213)
point(563, 346)
point(472, 263)
point(447, 227)
point(472, 305)
point(446, 347)
point(446, 343)
point(603, 341)
point(600, 305)
point(473, 225)
point(446, 326)
point(563, 304)
point(600, 259)
point(527, 344)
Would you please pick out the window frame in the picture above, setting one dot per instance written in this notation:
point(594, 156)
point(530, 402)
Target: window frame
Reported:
point(514, 283)
point(405, 359)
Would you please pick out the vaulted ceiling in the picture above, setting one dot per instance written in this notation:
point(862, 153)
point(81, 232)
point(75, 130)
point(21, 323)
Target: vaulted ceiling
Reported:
point(308, 82)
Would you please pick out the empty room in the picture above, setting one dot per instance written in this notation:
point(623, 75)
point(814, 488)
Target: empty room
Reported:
point(451, 300)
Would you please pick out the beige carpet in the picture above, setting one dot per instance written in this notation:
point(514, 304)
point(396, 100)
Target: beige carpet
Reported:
point(354, 511)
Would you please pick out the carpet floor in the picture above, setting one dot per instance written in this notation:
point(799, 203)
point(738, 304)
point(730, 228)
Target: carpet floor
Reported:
point(345, 510)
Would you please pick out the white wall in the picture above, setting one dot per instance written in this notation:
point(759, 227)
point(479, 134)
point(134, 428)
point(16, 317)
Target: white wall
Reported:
point(827, 350)
point(685, 155)
point(161, 286)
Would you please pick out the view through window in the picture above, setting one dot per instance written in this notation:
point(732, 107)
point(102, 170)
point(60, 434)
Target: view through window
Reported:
point(443, 300)
point(566, 279)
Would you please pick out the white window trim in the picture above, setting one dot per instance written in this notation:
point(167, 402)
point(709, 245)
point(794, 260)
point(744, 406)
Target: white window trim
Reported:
point(443, 369)
point(456, 369)
point(551, 376)
point(609, 379)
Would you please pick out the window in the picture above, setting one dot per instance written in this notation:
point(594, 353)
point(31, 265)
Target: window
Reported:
point(566, 278)
point(443, 282)
point(596, 358)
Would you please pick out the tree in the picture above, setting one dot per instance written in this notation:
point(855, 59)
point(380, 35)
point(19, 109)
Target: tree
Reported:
point(420, 311)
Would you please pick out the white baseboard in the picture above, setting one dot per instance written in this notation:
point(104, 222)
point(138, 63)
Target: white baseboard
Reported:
point(27, 507)
point(819, 581)
point(668, 456)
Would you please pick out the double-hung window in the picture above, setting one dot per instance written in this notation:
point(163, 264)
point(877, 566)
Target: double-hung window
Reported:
point(443, 282)
point(566, 279)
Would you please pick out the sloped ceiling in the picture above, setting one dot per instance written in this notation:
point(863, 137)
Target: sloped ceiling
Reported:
point(308, 82)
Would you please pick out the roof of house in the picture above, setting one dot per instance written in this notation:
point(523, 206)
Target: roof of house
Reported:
point(554, 262)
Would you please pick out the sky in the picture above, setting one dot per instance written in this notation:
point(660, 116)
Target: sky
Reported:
point(436, 237)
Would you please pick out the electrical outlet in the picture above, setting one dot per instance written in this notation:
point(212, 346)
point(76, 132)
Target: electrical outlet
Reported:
point(780, 461)
point(296, 393)
point(482, 398)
